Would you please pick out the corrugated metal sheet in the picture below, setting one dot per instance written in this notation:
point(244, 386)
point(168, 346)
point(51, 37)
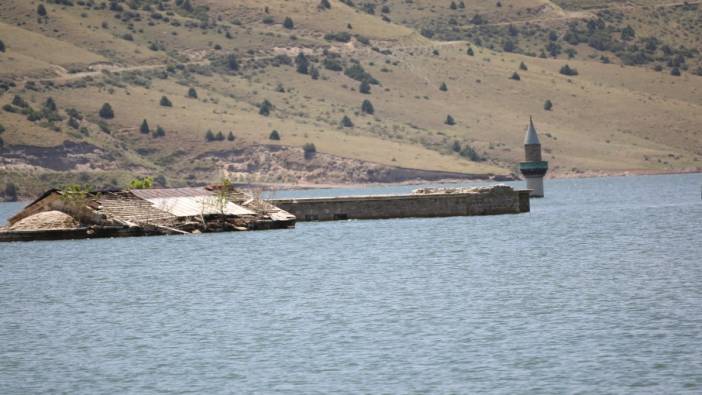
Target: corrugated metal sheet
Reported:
point(191, 206)
point(171, 192)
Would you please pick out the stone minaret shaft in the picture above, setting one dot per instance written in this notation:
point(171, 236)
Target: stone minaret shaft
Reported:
point(534, 168)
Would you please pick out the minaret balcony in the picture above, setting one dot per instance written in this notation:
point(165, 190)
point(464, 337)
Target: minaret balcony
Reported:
point(533, 169)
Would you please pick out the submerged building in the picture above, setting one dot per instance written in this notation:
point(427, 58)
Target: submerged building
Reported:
point(534, 168)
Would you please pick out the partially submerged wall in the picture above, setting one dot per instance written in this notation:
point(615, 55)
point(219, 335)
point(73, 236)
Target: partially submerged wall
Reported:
point(491, 202)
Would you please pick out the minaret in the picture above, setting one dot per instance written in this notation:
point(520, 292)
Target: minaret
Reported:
point(533, 169)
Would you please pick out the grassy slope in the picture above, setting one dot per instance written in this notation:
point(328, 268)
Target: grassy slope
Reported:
point(607, 118)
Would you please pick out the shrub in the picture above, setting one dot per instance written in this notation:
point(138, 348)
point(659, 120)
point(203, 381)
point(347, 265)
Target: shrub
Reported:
point(192, 93)
point(128, 37)
point(567, 70)
point(314, 73)
point(548, 105)
point(288, 23)
point(367, 107)
point(365, 88)
point(324, 5)
point(675, 72)
point(19, 102)
point(342, 37)
point(2, 128)
point(356, 72)
point(232, 62)
point(230, 136)
point(2, 46)
point(106, 111)
point(265, 108)
point(332, 64)
point(456, 147)
point(10, 108)
point(346, 122)
point(515, 76)
point(450, 121)
point(470, 52)
point(508, 46)
point(165, 102)
point(471, 154)
point(274, 136)
point(268, 20)
point(144, 128)
point(141, 183)
point(310, 150)
point(443, 87)
point(41, 10)
point(523, 66)
point(72, 122)
point(50, 105)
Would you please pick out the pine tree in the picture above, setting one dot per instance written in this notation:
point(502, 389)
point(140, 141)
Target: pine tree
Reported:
point(106, 111)
point(265, 108)
point(219, 136)
point(515, 76)
point(470, 52)
point(314, 73)
point(443, 87)
point(365, 87)
point(41, 10)
point(310, 150)
point(288, 23)
point(160, 132)
point(192, 93)
point(230, 136)
point(209, 136)
point(165, 102)
point(232, 62)
point(450, 121)
point(367, 107)
point(72, 122)
point(523, 66)
point(144, 128)
point(302, 63)
point(548, 105)
point(274, 135)
point(456, 146)
point(50, 105)
point(346, 122)
point(324, 5)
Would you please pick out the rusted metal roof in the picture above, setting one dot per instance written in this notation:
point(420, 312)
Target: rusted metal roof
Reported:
point(171, 192)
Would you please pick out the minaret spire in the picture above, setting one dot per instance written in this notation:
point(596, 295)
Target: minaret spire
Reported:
point(534, 168)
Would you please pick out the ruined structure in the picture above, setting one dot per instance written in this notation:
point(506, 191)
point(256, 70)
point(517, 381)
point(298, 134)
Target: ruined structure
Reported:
point(75, 214)
point(498, 199)
point(533, 168)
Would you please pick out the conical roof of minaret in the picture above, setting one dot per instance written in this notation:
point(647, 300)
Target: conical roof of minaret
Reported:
point(531, 137)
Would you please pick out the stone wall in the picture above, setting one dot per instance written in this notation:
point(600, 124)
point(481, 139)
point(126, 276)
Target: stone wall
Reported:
point(402, 206)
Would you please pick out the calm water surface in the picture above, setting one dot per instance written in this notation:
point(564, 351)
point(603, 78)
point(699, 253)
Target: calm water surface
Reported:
point(597, 290)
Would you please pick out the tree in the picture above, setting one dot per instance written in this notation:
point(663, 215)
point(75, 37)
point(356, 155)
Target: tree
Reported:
point(443, 87)
point(628, 33)
point(19, 102)
point(508, 46)
point(106, 111)
point(265, 108)
point(275, 136)
point(470, 52)
point(230, 136)
point(41, 10)
point(453, 5)
point(165, 102)
point(367, 107)
point(675, 72)
point(450, 121)
point(456, 147)
point(548, 105)
point(515, 76)
point(523, 66)
point(160, 132)
point(192, 93)
point(187, 6)
point(144, 128)
point(209, 136)
point(2, 46)
point(302, 63)
point(232, 62)
point(346, 122)
point(324, 5)
point(310, 150)
point(365, 88)
point(141, 183)
point(219, 136)
point(288, 23)
point(314, 73)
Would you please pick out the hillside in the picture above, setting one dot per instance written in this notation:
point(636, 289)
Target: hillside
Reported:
point(213, 79)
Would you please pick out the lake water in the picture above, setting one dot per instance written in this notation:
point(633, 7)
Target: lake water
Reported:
point(597, 290)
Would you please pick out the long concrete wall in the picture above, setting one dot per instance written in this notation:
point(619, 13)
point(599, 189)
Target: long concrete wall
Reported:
point(402, 206)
